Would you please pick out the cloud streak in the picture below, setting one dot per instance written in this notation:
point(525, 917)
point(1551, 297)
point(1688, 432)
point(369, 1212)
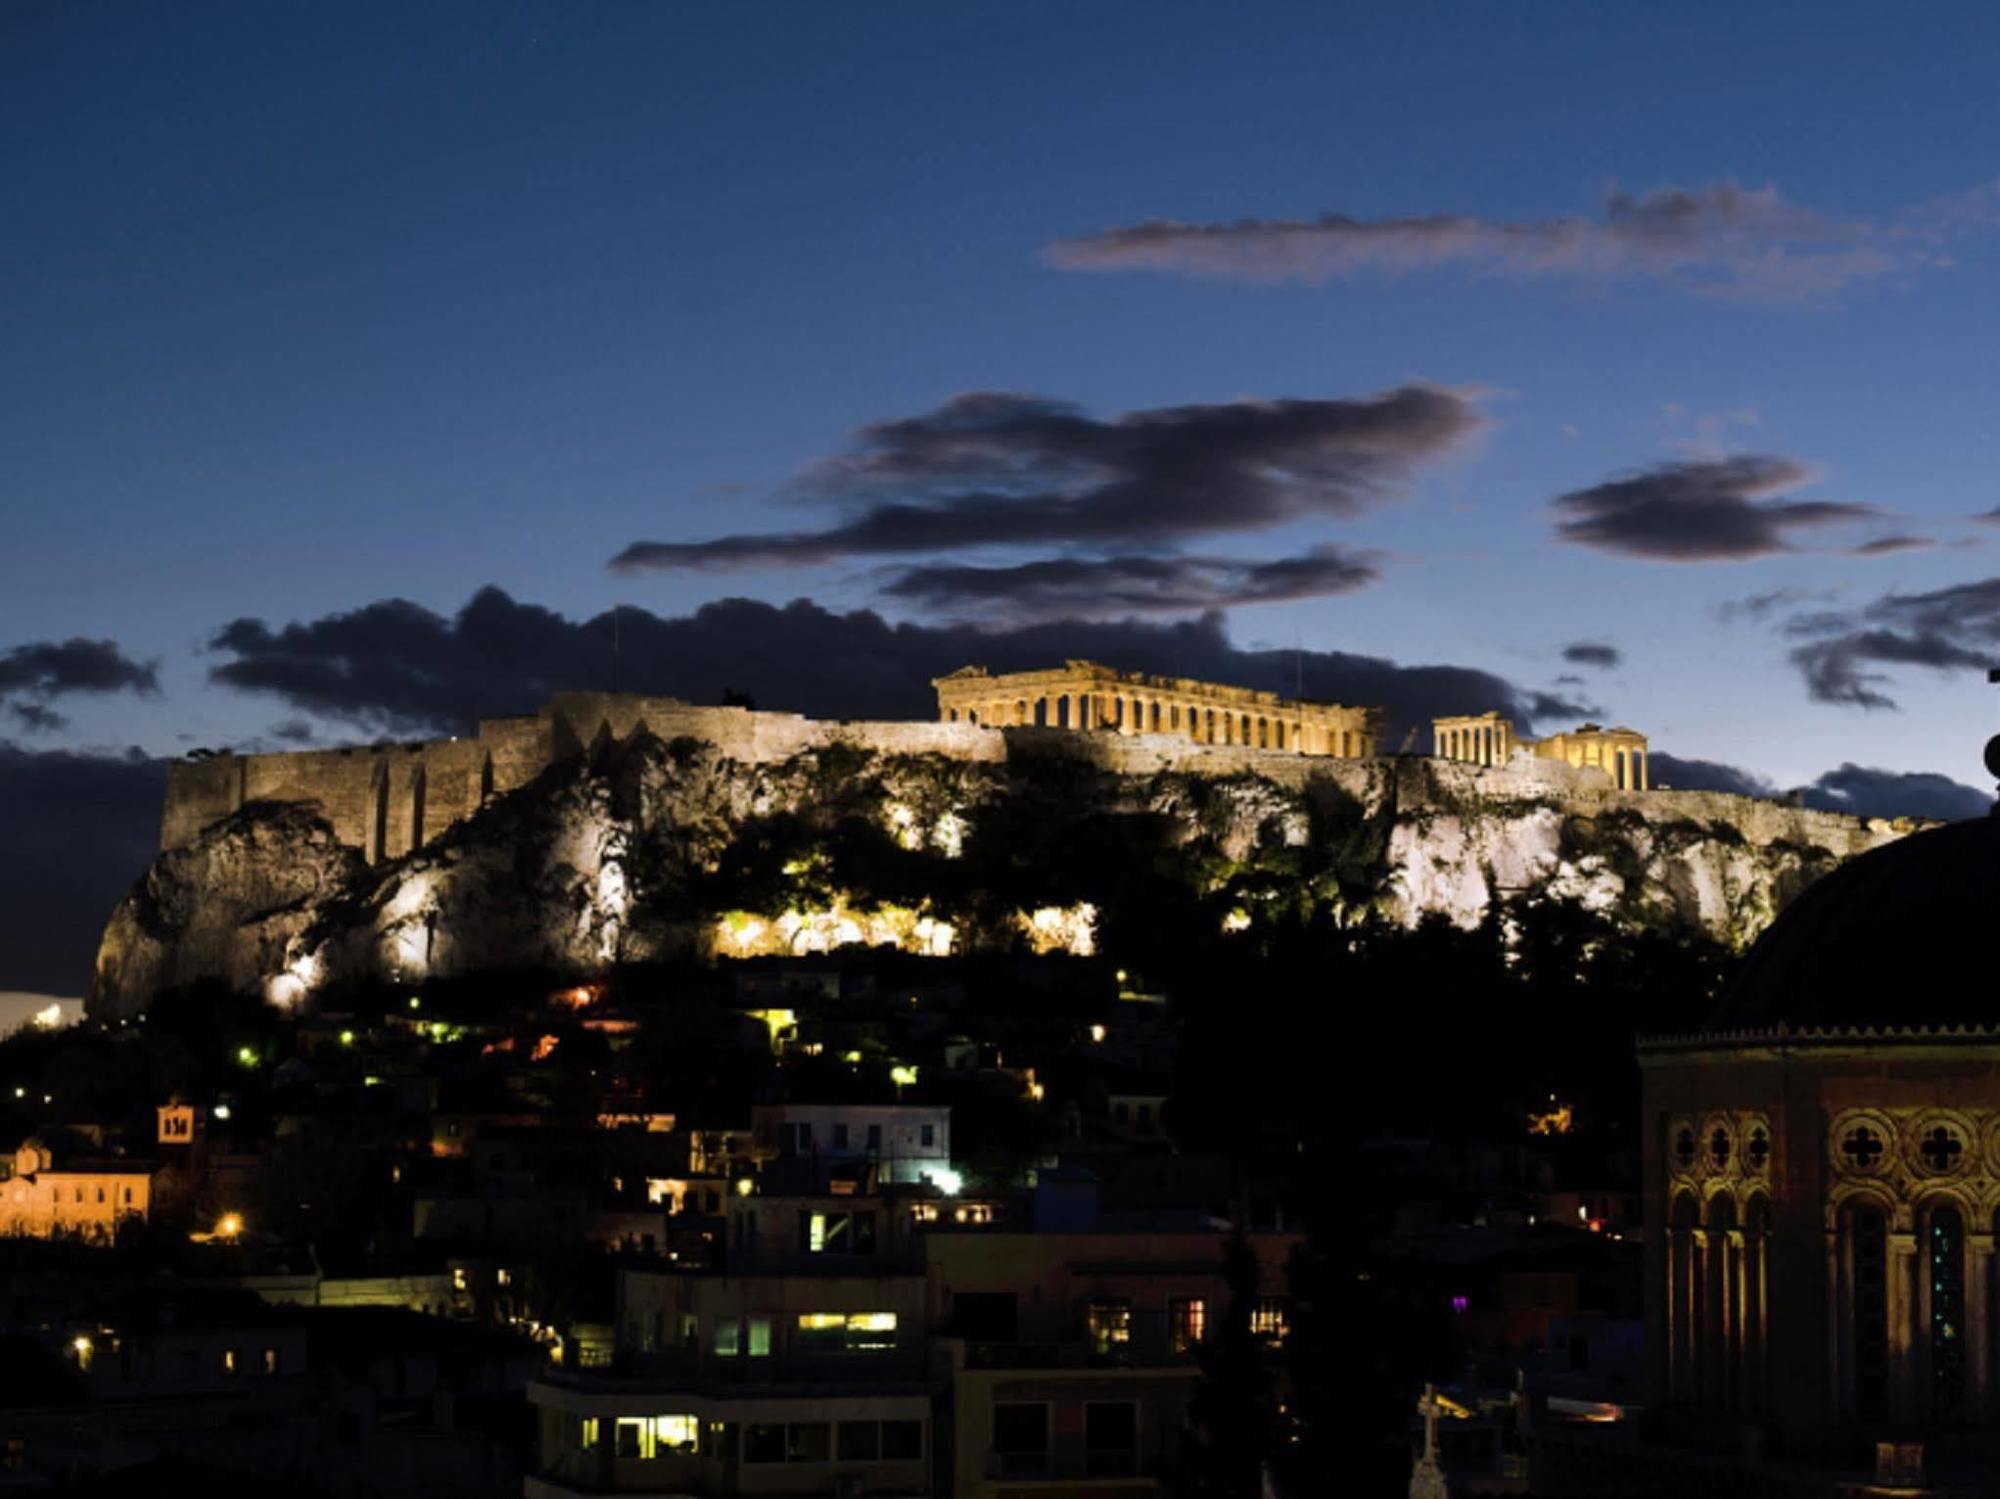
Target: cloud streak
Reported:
point(1119, 587)
point(1721, 240)
point(1843, 654)
point(1001, 469)
point(1593, 653)
point(1711, 510)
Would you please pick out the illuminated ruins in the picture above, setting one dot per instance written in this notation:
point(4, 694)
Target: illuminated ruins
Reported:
point(388, 799)
point(1489, 739)
point(1084, 695)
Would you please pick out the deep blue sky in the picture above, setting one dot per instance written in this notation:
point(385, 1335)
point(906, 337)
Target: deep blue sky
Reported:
point(304, 306)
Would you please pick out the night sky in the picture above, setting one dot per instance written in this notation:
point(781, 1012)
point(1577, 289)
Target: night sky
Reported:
point(1621, 362)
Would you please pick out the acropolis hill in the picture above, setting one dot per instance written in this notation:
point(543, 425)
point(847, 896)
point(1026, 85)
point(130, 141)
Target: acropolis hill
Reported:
point(387, 799)
point(613, 828)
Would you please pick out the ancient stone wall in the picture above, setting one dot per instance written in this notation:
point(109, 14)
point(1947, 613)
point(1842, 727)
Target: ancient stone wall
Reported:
point(386, 800)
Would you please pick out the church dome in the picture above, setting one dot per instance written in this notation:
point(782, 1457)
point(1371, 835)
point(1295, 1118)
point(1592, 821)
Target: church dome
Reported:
point(1904, 935)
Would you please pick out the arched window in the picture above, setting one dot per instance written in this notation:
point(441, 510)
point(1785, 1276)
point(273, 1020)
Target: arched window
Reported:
point(1944, 1259)
point(1756, 1304)
point(1721, 1332)
point(1680, 1297)
point(1868, 1309)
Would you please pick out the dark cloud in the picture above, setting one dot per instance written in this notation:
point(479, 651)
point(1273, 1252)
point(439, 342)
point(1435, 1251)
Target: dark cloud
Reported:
point(395, 667)
point(1119, 587)
point(80, 829)
point(1869, 792)
point(1002, 469)
point(1858, 790)
point(1721, 239)
point(33, 718)
point(1947, 629)
point(1596, 653)
point(32, 675)
point(1884, 546)
point(1991, 517)
point(293, 731)
point(1674, 772)
point(1703, 510)
point(54, 668)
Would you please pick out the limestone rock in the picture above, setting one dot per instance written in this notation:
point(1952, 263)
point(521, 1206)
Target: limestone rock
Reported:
point(648, 848)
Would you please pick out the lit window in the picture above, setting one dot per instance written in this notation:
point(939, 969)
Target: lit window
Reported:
point(1269, 1319)
point(649, 1437)
point(590, 1434)
point(847, 1332)
point(760, 1337)
point(229, 1361)
point(836, 1233)
point(1187, 1322)
point(728, 1338)
point(271, 1361)
point(1109, 1324)
point(871, 1331)
point(675, 1435)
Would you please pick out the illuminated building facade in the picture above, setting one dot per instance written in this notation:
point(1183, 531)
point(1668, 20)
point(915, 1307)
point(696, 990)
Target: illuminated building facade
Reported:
point(1489, 739)
point(1086, 696)
point(1822, 1169)
point(48, 1194)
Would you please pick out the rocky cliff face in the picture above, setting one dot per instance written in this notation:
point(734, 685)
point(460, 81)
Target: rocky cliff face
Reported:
point(659, 849)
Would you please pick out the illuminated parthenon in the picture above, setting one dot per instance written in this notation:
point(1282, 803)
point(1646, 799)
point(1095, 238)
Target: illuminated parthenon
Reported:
point(1489, 739)
point(1084, 695)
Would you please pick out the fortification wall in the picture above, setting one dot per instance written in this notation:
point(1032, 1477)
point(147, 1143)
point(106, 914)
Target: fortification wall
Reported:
point(385, 800)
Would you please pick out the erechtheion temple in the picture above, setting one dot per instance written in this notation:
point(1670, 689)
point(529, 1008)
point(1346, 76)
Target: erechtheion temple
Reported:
point(1489, 739)
point(1084, 695)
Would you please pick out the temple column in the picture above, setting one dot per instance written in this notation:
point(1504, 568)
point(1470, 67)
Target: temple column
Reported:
point(1645, 770)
